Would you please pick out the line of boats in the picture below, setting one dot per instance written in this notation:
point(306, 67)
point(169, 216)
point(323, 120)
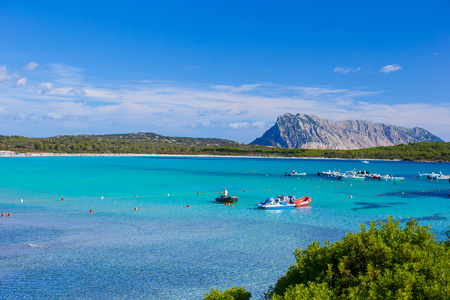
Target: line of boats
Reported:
point(358, 175)
point(435, 176)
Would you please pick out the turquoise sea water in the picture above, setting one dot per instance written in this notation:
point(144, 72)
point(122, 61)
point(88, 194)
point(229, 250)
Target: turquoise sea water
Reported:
point(51, 248)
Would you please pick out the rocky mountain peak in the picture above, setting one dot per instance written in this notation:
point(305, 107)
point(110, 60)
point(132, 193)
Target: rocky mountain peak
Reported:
point(312, 132)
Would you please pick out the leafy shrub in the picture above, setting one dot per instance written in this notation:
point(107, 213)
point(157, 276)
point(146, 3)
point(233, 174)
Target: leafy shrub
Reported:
point(235, 293)
point(384, 262)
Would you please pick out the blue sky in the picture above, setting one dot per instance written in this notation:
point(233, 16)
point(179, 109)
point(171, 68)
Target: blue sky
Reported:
point(222, 69)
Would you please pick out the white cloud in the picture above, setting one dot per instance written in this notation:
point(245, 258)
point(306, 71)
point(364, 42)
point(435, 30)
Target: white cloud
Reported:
point(238, 125)
point(345, 70)
point(4, 74)
point(237, 89)
point(11, 79)
point(31, 66)
point(44, 88)
point(390, 68)
point(203, 124)
point(21, 81)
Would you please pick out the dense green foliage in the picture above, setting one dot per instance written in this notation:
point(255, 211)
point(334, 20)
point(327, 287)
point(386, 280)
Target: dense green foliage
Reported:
point(384, 262)
point(235, 293)
point(150, 143)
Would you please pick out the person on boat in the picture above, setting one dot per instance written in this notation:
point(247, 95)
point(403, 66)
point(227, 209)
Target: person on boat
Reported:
point(293, 172)
point(225, 193)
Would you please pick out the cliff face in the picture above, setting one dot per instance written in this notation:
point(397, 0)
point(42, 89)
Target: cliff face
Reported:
point(307, 131)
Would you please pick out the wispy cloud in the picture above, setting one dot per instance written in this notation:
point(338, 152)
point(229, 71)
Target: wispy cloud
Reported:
point(31, 66)
point(390, 68)
point(11, 79)
point(69, 105)
point(346, 70)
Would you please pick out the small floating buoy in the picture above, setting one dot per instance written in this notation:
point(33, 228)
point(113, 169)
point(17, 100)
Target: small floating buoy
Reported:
point(198, 193)
point(349, 183)
point(336, 185)
point(91, 211)
point(168, 195)
point(422, 191)
point(331, 180)
point(135, 208)
point(243, 191)
point(403, 192)
point(21, 200)
point(3, 214)
point(62, 199)
point(102, 197)
point(221, 192)
point(187, 206)
point(268, 190)
point(231, 205)
point(351, 196)
point(381, 194)
point(135, 196)
point(9, 214)
point(317, 187)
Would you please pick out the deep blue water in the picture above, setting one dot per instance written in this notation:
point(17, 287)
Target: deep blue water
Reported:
point(164, 250)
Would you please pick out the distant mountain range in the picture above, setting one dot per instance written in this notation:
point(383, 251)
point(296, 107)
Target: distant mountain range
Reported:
point(311, 132)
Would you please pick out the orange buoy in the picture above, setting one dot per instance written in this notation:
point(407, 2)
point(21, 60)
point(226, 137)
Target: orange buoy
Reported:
point(135, 208)
point(268, 190)
point(3, 214)
point(198, 193)
point(188, 206)
point(62, 199)
point(231, 205)
point(317, 187)
point(135, 195)
point(351, 196)
point(243, 191)
point(91, 211)
point(9, 214)
point(221, 192)
point(381, 194)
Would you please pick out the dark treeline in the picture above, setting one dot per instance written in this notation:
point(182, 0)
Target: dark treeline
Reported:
point(423, 151)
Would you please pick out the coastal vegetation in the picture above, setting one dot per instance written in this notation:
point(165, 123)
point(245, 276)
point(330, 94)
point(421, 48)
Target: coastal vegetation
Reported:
point(150, 143)
point(383, 262)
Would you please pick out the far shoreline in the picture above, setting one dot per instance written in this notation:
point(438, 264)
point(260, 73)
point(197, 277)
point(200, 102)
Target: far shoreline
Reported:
point(49, 154)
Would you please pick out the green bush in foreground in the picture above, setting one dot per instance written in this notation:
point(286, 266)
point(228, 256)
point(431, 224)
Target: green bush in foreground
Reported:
point(235, 293)
point(384, 262)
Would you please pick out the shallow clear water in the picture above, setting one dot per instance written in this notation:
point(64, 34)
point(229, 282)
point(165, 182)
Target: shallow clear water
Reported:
point(164, 250)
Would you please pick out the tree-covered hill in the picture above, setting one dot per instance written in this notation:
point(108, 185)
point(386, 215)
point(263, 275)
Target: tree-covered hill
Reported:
point(151, 143)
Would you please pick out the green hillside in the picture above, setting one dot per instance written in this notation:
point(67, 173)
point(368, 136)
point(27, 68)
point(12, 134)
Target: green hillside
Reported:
point(151, 143)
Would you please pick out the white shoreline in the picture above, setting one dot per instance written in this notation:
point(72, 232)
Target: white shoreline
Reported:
point(49, 154)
